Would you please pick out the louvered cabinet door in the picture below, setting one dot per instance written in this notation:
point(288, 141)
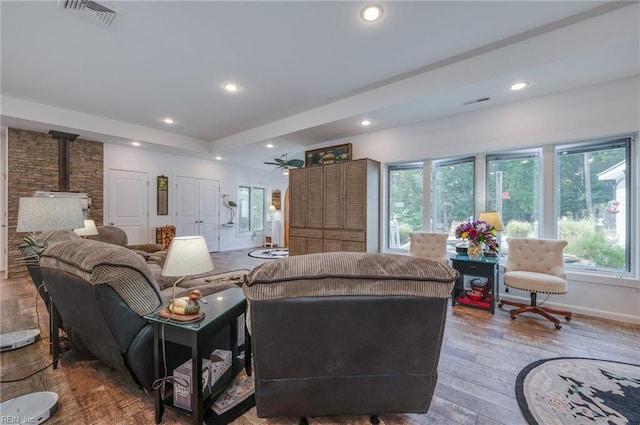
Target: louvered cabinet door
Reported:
point(355, 198)
point(297, 195)
point(297, 245)
point(314, 246)
point(333, 196)
point(315, 198)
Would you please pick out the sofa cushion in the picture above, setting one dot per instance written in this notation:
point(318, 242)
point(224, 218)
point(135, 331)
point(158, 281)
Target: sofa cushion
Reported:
point(104, 263)
point(349, 273)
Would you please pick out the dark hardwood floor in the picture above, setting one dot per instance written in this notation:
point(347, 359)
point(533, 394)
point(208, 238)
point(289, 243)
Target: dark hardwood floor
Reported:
point(481, 357)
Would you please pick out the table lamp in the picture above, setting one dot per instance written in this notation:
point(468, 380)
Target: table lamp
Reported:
point(89, 229)
point(45, 214)
point(188, 255)
point(493, 219)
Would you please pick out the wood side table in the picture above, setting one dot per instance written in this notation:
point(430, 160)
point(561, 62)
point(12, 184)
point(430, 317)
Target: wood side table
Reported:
point(222, 310)
point(485, 267)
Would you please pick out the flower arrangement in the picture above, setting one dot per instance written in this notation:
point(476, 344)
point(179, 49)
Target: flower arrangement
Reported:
point(478, 232)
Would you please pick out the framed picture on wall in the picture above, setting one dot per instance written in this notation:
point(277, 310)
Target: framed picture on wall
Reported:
point(328, 155)
point(163, 195)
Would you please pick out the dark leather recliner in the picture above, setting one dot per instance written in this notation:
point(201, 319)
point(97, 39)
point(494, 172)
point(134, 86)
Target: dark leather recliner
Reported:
point(346, 333)
point(102, 292)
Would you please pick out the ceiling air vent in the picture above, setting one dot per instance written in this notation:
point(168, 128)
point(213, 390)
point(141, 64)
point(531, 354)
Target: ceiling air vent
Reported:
point(471, 102)
point(101, 13)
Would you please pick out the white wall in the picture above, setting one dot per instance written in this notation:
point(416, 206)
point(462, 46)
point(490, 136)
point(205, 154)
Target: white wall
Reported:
point(157, 163)
point(597, 111)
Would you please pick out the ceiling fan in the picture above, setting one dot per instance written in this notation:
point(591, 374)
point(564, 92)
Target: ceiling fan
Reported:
point(286, 163)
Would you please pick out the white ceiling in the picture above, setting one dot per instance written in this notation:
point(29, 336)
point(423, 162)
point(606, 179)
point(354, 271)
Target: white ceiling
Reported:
point(308, 71)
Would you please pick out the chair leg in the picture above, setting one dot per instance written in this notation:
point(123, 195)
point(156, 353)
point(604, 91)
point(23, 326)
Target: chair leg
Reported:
point(534, 308)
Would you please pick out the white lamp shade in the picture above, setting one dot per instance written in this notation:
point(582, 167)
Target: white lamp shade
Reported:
point(493, 218)
point(44, 214)
point(187, 255)
point(272, 208)
point(88, 229)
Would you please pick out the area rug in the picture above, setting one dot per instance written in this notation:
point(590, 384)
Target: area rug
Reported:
point(575, 391)
point(270, 253)
point(235, 400)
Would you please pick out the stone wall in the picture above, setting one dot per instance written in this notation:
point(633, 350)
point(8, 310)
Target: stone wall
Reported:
point(33, 165)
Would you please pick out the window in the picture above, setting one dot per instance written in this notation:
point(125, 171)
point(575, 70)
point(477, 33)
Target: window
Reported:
point(513, 189)
point(593, 194)
point(251, 209)
point(580, 192)
point(406, 201)
point(452, 194)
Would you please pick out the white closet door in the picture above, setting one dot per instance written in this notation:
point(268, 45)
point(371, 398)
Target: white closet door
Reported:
point(210, 213)
point(128, 206)
point(187, 208)
point(198, 209)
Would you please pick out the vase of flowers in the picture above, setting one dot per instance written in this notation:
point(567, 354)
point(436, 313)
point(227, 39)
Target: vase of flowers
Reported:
point(480, 235)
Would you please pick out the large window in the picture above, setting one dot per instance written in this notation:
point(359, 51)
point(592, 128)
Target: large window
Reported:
point(406, 201)
point(251, 202)
point(587, 202)
point(513, 190)
point(593, 194)
point(452, 194)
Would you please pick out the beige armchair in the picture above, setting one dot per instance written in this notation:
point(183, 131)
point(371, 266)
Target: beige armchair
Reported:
point(432, 246)
point(537, 266)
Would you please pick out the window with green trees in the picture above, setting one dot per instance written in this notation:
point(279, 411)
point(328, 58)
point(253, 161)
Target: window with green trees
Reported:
point(513, 190)
point(452, 196)
point(592, 208)
point(406, 200)
point(591, 200)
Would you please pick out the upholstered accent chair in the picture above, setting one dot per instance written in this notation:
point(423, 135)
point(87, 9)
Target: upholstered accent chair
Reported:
point(429, 245)
point(346, 333)
point(536, 266)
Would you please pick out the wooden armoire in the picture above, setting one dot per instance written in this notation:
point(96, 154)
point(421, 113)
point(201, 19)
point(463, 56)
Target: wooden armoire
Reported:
point(335, 207)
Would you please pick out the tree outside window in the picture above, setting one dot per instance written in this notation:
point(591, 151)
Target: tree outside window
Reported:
point(406, 199)
point(513, 190)
point(592, 209)
point(452, 194)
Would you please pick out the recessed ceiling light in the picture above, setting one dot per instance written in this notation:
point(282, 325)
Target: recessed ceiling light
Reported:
point(371, 13)
point(168, 120)
point(518, 86)
point(231, 87)
point(135, 143)
point(365, 123)
point(218, 157)
point(270, 145)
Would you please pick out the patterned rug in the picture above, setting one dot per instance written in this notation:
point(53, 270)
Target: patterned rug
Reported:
point(575, 391)
point(270, 253)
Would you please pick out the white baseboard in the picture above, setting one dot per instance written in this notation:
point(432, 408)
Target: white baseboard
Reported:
point(627, 318)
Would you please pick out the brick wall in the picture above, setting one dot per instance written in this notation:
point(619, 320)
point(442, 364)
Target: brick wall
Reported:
point(33, 165)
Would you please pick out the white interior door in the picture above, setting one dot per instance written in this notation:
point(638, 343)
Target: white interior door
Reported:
point(128, 204)
point(198, 209)
point(210, 213)
point(187, 208)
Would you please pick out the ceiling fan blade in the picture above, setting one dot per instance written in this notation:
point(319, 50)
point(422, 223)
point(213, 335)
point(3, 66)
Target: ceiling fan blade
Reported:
point(280, 161)
point(273, 163)
point(297, 163)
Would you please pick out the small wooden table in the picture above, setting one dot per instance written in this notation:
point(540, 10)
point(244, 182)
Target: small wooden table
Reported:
point(223, 309)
